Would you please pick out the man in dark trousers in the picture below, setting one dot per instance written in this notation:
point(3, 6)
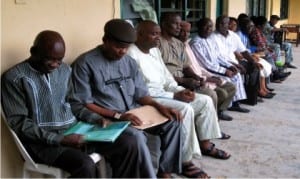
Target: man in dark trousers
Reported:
point(108, 82)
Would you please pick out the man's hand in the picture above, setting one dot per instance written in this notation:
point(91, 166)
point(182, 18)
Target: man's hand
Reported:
point(103, 122)
point(135, 121)
point(185, 95)
point(233, 69)
point(73, 140)
point(169, 113)
point(229, 73)
point(214, 79)
point(191, 83)
point(241, 68)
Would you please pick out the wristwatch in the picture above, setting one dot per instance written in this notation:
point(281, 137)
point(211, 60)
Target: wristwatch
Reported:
point(117, 115)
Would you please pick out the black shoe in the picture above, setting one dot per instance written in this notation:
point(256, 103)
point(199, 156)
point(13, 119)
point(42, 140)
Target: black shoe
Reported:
point(268, 96)
point(270, 89)
point(283, 75)
point(238, 109)
point(224, 117)
point(288, 65)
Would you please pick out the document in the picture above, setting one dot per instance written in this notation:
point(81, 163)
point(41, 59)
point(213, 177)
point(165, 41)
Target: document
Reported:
point(149, 115)
point(92, 132)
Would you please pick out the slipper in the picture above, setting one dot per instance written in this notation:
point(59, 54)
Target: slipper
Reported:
point(190, 170)
point(224, 136)
point(215, 153)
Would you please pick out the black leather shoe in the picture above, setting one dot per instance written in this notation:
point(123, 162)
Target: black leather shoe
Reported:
point(284, 74)
point(238, 109)
point(268, 96)
point(224, 117)
point(288, 65)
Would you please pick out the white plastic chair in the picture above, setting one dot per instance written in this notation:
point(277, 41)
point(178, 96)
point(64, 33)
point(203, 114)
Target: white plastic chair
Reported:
point(31, 166)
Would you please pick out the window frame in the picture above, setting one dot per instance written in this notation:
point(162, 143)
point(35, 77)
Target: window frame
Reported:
point(257, 7)
point(284, 9)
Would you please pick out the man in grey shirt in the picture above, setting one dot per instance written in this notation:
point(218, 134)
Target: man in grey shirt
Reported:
point(108, 82)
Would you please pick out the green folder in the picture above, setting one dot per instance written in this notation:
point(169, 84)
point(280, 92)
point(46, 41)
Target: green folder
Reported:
point(93, 132)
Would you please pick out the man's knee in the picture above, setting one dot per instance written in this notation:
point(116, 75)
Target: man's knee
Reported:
point(204, 101)
point(88, 168)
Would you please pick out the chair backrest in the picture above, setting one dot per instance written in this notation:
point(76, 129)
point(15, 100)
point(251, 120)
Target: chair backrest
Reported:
point(19, 144)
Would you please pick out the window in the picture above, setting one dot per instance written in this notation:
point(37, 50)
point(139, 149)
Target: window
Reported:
point(284, 9)
point(190, 10)
point(220, 6)
point(256, 7)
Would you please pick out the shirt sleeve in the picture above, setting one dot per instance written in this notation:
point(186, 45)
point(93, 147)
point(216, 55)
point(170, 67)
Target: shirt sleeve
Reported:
point(207, 60)
point(18, 114)
point(240, 46)
point(80, 78)
point(79, 109)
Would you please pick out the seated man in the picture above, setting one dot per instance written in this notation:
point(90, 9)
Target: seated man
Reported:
point(246, 26)
point(35, 96)
point(208, 55)
point(259, 44)
point(164, 89)
point(108, 82)
point(219, 90)
point(230, 45)
point(269, 30)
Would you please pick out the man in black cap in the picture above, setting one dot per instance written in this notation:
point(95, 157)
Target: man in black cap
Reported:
point(107, 81)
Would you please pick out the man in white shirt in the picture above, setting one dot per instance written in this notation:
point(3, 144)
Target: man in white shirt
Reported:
point(221, 91)
point(210, 57)
point(164, 89)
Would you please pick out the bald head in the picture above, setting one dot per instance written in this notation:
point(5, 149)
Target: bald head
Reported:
point(47, 51)
point(148, 33)
point(145, 25)
point(48, 39)
point(222, 24)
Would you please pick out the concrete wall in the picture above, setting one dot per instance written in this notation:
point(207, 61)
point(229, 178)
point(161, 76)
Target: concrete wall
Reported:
point(235, 7)
point(81, 24)
point(294, 15)
point(79, 21)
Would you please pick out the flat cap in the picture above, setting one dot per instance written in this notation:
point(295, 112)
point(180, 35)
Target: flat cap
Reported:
point(120, 31)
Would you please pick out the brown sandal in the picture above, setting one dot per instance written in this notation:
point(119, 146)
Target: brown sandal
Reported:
point(218, 154)
point(190, 170)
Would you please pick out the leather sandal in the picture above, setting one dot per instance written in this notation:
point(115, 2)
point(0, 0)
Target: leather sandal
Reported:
point(215, 153)
point(190, 170)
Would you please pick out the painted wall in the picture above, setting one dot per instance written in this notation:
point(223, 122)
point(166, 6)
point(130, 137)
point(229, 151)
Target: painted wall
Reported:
point(235, 7)
point(79, 21)
point(294, 17)
point(81, 24)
